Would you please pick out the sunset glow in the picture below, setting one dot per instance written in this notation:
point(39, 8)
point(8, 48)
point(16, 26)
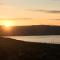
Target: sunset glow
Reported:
point(26, 13)
point(7, 23)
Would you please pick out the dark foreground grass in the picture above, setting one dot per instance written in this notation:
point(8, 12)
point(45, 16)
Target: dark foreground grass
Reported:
point(11, 49)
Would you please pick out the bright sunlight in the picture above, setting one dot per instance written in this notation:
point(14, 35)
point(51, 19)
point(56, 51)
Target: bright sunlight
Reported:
point(7, 23)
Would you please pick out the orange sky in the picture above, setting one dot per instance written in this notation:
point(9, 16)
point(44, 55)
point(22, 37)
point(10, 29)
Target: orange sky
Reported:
point(33, 17)
point(46, 22)
point(30, 22)
point(40, 12)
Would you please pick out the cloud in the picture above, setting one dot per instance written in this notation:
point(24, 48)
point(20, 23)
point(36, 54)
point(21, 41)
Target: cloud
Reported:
point(16, 18)
point(1, 2)
point(46, 11)
point(55, 0)
point(53, 19)
point(23, 18)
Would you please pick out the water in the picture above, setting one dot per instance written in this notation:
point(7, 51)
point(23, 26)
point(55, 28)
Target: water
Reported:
point(55, 39)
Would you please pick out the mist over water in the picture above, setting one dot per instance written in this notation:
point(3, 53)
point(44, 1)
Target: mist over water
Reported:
point(55, 39)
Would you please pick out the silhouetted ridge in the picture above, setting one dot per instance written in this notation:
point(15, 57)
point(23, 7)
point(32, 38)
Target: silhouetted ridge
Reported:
point(46, 30)
point(32, 30)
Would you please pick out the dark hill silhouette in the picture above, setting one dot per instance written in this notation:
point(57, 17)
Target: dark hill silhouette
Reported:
point(46, 30)
point(11, 49)
point(31, 30)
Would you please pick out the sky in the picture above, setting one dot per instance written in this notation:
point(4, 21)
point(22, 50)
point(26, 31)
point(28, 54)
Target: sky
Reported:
point(30, 12)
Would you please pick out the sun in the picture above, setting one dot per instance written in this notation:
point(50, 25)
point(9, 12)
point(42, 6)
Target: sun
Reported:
point(7, 23)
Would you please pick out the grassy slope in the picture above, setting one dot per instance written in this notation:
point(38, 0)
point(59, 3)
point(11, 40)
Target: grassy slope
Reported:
point(11, 49)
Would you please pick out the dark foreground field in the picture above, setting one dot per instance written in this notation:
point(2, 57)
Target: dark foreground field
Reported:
point(11, 49)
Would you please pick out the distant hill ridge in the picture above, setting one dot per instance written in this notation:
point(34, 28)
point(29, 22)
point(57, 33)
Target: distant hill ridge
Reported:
point(32, 30)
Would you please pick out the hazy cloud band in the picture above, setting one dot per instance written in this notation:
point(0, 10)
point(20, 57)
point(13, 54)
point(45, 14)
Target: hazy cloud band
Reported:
point(47, 11)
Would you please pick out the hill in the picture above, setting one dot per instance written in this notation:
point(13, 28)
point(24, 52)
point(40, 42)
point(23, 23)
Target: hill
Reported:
point(11, 49)
point(31, 30)
point(46, 30)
